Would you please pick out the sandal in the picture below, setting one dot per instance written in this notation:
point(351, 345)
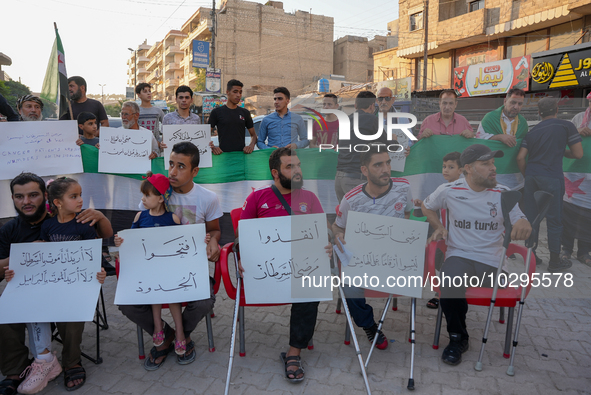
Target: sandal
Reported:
point(586, 259)
point(433, 303)
point(9, 386)
point(188, 356)
point(290, 361)
point(150, 363)
point(158, 338)
point(180, 347)
point(75, 373)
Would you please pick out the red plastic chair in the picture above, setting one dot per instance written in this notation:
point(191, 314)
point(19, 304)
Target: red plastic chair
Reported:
point(231, 289)
point(140, 333)
point(506, 297)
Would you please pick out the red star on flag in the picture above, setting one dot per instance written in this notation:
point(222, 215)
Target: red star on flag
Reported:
point(60, 58)
point(572, 187)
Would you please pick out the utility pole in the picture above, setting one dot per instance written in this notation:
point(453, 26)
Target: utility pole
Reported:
point(102, 93)
point(426, 44)
point(213, 29)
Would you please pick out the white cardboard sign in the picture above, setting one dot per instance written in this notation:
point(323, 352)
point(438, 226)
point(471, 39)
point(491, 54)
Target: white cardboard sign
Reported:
point(384, 246)
point(200, 135)
point(276, 254)
point(125, 151)
point(53, 282)
point(399, 158)
point(45, 147)
point(163, 265)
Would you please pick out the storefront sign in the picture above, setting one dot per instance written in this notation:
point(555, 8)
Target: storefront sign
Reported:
point(492, 78)
point(213, 80)
point(569, 69)
point(211, 102)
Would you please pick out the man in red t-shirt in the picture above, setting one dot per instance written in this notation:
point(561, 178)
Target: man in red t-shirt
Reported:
point(329, 133)
point(262, 203)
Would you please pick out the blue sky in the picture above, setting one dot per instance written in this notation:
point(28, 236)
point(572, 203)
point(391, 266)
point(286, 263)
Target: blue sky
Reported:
point(96, 35)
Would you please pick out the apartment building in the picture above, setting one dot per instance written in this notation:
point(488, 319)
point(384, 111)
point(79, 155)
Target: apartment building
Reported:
point(353, 57)
point(260, 44)
point(141, 65)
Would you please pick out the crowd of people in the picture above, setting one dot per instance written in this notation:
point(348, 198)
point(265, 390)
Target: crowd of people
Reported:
point(363, 183)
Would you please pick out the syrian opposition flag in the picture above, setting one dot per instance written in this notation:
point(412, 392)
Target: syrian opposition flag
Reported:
point(55, 84)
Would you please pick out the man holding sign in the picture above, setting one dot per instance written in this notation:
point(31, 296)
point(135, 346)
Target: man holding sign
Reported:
point(193, 204)
point(381, 195)
point(29, 195)
point(284, 197)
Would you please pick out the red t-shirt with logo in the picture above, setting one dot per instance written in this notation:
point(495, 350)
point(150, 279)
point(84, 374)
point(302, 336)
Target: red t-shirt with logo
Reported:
point(262, 203)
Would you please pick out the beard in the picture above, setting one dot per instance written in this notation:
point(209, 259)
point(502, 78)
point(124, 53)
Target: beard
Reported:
point(289, 183)
point(376, 180)
point(127, 124)
point(31, 118)
point(76, 96)
point(485, 182)
point(35, 217)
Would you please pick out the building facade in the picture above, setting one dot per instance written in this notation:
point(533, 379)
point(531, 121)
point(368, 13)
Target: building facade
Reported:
point(354, 57)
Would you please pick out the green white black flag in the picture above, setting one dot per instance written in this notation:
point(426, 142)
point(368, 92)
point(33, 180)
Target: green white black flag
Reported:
point(55, 84)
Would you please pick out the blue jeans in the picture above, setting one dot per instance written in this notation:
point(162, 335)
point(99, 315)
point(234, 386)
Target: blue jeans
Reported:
point(551, 185)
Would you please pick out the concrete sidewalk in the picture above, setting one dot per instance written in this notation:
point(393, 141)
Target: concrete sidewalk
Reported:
point(553, 356)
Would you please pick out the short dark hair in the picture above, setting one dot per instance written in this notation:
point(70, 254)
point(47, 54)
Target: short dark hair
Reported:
point(547, 106)
point(189, 149)
point(79, 81)
point(283, 90)
point(84, 117)
point(448, 92)
point(364, 99)
point(516, 92)
point(275, 158)
point(233, 83)
point(333, 96)
point(25, 178)
point(148, 188)
point(454, 156)
point(365, 157)
point(183, 88)
point(140, 87)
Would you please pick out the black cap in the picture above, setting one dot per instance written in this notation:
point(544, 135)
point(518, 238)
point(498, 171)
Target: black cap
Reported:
point(479, 152)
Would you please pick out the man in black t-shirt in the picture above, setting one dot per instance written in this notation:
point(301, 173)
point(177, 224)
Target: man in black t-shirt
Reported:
point(29, 195)
point(545, 144)
point(80, 103)
point(230, 121)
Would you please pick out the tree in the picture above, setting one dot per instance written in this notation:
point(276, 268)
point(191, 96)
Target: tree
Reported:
point(15, 90)
point(114, 110)
point(200, 82)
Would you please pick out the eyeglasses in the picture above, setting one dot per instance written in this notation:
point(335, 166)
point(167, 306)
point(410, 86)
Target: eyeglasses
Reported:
point(127, 114)
point(380, 99)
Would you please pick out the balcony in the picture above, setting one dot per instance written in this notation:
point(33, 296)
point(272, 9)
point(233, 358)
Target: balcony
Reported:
point(172, 82)
point(153, 76)
point(141, 70)
point(152, 63)
point(172, 66)
point(172, 49)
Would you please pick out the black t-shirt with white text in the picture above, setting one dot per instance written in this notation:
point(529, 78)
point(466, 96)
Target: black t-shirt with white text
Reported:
point(230, 124)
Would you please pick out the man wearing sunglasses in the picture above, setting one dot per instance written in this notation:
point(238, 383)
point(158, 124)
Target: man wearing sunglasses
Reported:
point(385, 101)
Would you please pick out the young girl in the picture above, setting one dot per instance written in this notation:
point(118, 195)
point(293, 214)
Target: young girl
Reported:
point(155, 189)
point(65, 200)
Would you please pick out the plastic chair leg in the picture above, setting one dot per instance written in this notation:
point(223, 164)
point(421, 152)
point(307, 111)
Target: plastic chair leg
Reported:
point(339, 305)
point(509, 333)
point(241, 319)
point(140, 343)
point(395, 304)
point(501, 315)
point(347, 334)
point(437, 327)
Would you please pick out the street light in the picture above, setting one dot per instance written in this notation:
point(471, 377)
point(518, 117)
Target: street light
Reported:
point(134, 70)
point(102, 93)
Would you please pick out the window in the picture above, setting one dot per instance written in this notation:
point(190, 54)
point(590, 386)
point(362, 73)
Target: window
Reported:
point(342, 50)
point(370, 52)
point(416, 21)
point(475, 5)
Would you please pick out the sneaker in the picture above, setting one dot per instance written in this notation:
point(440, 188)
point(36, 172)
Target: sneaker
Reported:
point(382, 342)
point(452, 355)
point(559, 265)
point(38, 374)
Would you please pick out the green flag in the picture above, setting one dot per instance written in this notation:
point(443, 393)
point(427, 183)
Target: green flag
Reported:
point(55, 84)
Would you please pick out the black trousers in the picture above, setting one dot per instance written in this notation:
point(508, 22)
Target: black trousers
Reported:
point(453, 297)
point(302, 323)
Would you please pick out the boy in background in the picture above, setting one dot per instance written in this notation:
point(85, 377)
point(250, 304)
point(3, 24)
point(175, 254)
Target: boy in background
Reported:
point(87, 129)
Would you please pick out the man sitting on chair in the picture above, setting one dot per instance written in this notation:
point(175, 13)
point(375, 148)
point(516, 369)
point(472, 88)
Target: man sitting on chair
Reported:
point(381, 195)
point(263, 203)
point(474, 241)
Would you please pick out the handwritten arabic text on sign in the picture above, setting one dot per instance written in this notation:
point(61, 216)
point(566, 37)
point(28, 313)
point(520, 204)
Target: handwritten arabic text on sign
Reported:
point(48, 276)
point(200, 135)
point(277, 252)
point(163, 265)
point(48, 148)
point(125, 151)
point(384, 246)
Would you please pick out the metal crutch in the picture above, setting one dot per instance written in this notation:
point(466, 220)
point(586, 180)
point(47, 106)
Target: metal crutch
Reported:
point(380, 324)
point(508, 200)
point(234, 323)
point(543, 200)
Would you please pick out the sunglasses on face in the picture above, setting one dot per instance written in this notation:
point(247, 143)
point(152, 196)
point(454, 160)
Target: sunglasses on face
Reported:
point(380, 99)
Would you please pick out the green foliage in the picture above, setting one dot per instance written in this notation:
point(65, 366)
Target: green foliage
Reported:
point(200, 82)
point(49, 109)
point(114, 110)
point(4, 91)
point(15, 90)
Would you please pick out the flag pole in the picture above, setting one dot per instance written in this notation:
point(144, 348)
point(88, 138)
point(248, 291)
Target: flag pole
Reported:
point(69, 101)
